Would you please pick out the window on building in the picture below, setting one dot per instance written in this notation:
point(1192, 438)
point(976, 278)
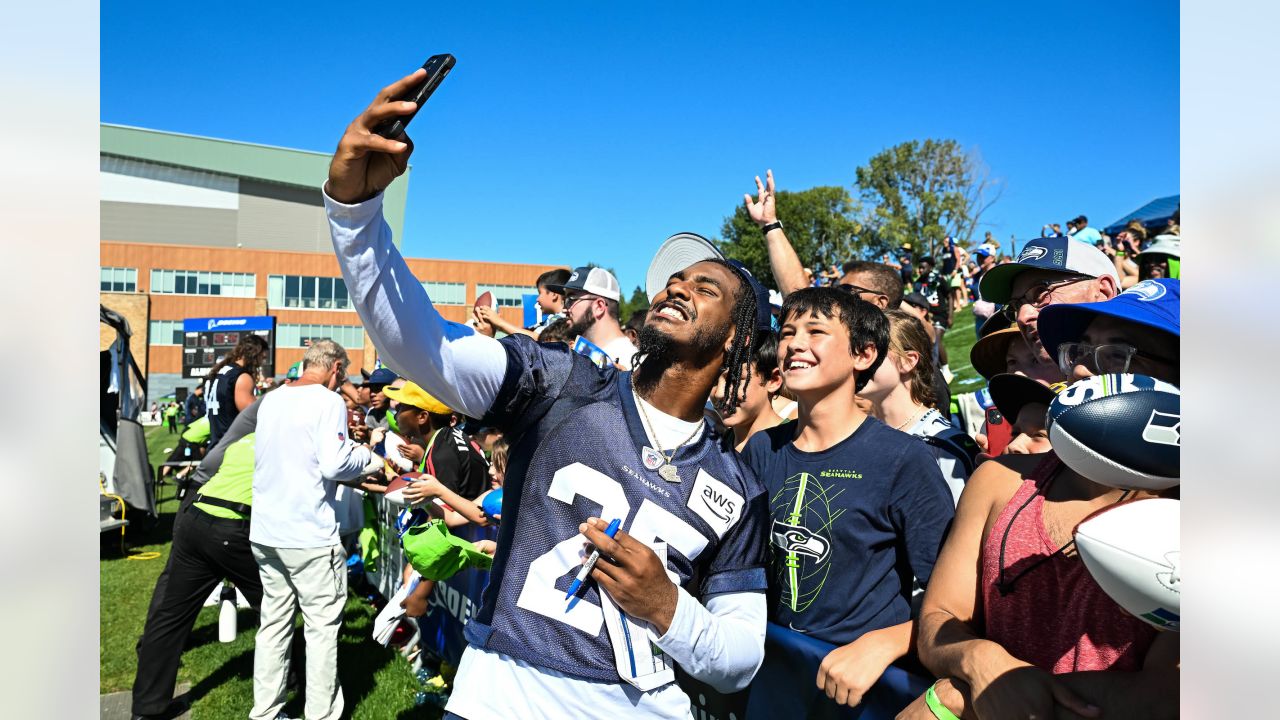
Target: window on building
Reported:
point(200, 282)
point(301, 335)
point(165, 332)
point(117, 279)
point(446, 293)
point(506, 295)
point(307, 291)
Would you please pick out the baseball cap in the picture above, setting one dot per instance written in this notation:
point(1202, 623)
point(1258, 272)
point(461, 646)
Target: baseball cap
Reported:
point(1060, 254)
point(684, 249)
point(1153, 303)
point(1011, 393)
point(1170, 245)
point(982, 251)
point(295, 370)
point(916, 299)
point(414, 396)
point(989, 355)
point(594, 280)
point(381, 376)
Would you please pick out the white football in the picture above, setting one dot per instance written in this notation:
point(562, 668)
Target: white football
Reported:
point(1131, 550)
point(1123, 431)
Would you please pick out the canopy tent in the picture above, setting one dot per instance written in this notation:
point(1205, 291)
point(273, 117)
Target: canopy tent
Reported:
point(122, 444)
point(1153, 216)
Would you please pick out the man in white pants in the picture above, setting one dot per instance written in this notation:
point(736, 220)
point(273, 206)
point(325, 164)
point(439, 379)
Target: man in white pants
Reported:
point(302, 452)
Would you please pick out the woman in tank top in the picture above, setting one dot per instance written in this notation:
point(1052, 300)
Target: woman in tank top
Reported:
point(1012, 621)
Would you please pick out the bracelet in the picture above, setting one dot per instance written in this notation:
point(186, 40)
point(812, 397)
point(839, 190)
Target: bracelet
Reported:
point(940, 711)
point(775, 225)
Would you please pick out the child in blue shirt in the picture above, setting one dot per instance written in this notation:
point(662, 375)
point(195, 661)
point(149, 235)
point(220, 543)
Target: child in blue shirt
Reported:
point(858, 508)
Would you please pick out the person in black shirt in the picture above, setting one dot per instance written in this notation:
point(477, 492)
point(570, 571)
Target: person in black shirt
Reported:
point(229, 386)
point(450, 455)
point(194, 406)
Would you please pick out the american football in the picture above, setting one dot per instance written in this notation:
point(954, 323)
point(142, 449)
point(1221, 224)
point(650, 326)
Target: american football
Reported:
point(1132, 550)
point(1123, 431)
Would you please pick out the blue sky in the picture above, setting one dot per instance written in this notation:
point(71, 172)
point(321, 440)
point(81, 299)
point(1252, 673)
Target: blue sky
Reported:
point(590, 131)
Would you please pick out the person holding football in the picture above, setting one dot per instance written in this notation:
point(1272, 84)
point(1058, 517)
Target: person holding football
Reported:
point(1012, 622)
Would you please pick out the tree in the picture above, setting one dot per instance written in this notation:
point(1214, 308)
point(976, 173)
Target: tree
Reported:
point(820, 223)
point(639, 301)
point(921, 192)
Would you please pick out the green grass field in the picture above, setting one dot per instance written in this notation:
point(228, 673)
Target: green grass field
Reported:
point(376, 682)
point(958, 340)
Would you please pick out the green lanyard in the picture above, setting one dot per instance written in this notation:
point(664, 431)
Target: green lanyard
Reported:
point(426, 455)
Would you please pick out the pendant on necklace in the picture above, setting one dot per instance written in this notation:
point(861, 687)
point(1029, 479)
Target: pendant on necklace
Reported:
point(669, 473)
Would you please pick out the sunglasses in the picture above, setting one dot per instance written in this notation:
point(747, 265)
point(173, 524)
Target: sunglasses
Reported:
point(859, 290)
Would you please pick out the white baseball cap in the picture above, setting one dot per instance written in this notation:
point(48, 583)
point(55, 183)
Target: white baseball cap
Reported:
point(593, 280)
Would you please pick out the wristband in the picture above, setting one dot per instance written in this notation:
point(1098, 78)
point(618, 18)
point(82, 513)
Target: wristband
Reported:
point(940, 711)
point(775, 225)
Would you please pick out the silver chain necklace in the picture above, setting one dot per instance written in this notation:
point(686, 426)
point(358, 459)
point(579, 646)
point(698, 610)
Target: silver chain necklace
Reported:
point(666, 470)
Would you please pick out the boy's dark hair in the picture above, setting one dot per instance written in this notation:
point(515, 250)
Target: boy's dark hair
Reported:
point(864, 322)
point(559, 276)
point(882, 279)
point(766, 354)
point(556, 331)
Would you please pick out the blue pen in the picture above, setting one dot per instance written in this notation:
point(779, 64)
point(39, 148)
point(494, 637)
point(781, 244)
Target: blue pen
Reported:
point(590, 564)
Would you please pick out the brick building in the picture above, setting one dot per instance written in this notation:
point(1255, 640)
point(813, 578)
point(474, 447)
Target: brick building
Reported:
point(197, 227)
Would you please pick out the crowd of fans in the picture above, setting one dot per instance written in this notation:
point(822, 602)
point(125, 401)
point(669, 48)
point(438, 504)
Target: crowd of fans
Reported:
point(943, 545)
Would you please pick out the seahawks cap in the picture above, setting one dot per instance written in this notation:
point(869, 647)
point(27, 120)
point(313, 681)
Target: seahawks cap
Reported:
point(1060, 254)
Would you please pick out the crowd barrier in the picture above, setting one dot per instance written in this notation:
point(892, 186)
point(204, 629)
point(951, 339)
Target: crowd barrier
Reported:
point(784, 687)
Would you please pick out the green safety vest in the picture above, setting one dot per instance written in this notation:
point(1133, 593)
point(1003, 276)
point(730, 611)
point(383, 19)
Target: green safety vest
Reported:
point(233, 481)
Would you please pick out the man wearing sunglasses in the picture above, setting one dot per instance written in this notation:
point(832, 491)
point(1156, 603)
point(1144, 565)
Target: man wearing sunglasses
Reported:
point(1049, 271)
point(591, 297)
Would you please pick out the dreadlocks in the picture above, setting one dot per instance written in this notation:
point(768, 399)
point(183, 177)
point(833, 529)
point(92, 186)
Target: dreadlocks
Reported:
point(739, 361)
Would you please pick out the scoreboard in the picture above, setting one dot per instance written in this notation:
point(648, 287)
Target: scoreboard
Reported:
point(208, 340)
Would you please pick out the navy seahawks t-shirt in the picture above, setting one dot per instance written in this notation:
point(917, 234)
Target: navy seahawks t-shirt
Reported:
point(578, 449)
point(851, 525)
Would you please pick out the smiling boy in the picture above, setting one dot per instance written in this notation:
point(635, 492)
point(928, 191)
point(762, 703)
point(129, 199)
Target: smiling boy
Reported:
point(857, 508)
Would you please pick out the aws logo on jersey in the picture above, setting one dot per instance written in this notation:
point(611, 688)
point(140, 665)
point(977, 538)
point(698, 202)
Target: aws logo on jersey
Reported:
point(715, 502)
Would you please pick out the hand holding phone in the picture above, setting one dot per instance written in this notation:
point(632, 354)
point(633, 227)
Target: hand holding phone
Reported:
point(436, 67)
point(365, 162)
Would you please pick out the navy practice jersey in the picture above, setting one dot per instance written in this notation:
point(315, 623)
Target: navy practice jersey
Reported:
point(220, 394)
point(577, 451)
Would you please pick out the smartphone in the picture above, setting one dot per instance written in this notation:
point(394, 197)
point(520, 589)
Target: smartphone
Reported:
point(998, 430)
point(437, 66)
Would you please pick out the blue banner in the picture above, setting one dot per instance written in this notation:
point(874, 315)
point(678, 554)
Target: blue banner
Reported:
point(258, 322)
point(530, 305)
point(784, 687)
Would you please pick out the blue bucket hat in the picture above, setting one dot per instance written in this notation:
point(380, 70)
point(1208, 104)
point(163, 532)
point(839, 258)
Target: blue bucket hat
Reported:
point(1153, 303)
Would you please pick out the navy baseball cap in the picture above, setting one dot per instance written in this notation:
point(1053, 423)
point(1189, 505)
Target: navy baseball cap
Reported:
point(381, 376)
point(684, 249)
point(1060, 254)
point(1153, 303)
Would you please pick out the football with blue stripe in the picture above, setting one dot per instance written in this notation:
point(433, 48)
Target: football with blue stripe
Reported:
point(1120, 430)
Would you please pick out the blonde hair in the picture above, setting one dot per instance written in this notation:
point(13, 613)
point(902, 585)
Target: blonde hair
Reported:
point(907, 334)
point(324, 354)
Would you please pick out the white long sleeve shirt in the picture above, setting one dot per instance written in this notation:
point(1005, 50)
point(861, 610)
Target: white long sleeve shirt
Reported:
point(721, 644)
point(301, 452)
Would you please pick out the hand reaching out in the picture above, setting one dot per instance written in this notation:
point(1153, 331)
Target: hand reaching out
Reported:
point(762, 210)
